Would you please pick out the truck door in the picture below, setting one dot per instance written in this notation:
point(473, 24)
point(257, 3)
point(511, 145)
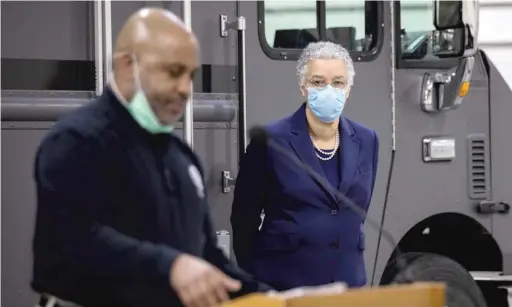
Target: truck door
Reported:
point(442, 158)
point(276, 33)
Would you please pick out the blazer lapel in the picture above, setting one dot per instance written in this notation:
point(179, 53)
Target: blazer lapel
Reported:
point(349, 151)
point(303, 147)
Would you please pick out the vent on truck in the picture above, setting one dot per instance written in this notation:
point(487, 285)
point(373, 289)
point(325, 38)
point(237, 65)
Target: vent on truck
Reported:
point(477, 166)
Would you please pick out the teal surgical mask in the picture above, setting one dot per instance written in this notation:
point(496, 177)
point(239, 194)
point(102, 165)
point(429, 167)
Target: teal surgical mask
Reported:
point(326, 103)
point(141, 110)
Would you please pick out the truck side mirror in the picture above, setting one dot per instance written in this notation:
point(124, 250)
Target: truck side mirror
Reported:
point(456, 35)
point(458, 17)
point(448, 15)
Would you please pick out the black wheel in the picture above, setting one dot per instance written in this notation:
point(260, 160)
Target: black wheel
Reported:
point(461, 289)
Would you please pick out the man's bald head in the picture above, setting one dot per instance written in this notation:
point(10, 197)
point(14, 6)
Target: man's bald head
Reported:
point(145, 29)
point(155, 46)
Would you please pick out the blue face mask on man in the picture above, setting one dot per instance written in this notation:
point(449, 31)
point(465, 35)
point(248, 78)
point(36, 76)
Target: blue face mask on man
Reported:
point(326, 103)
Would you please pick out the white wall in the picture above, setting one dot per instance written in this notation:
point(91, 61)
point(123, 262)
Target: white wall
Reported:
point(495, 35)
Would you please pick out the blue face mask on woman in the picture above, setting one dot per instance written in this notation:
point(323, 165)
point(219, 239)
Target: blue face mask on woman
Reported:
point(326, 103)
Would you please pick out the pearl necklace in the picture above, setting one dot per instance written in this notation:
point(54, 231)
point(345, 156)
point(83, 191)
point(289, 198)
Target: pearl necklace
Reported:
point(329, 155)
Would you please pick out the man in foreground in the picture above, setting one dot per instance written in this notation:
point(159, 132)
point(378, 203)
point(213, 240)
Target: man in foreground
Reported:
point(122, 215)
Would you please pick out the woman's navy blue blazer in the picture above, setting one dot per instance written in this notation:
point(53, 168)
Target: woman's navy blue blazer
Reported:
point(308, 236)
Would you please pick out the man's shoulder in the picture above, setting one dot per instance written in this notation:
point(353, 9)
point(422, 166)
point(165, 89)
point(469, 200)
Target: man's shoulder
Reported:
point(79, 128)
point(88, 119)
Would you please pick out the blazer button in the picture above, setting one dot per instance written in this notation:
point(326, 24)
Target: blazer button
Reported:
point(334, 212)
point(334, 245)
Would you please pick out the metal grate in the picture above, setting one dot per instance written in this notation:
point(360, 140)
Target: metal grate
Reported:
point(478, 175)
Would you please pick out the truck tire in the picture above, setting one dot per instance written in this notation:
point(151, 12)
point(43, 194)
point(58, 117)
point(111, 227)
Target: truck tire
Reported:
point(461, 289)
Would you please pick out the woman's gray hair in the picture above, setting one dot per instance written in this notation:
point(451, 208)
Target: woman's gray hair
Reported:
point(324, 51)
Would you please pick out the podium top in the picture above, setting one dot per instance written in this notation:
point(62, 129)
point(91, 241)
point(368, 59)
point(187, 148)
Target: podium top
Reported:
point(412, 295)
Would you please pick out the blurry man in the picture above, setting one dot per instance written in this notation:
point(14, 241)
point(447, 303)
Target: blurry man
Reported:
point(122, 215)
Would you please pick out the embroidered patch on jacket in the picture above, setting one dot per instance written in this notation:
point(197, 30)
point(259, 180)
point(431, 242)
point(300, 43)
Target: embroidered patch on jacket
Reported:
point(195, 176)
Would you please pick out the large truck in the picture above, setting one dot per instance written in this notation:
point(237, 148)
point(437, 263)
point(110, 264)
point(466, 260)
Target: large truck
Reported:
point(433, 79)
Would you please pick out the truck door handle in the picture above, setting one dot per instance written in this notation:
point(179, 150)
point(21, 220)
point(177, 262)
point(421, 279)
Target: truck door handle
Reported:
point(492, 207)
point(228, 182)
point(239, 25)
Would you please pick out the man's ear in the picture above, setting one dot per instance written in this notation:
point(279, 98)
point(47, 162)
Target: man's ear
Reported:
point(128, 61)
point(123, 59)
point(122, 63)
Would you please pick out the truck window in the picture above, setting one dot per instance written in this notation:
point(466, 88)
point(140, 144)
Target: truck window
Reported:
point(420, 43)
point(285, 27)
point(290, 24)
point(346, 23)
point(47, 46)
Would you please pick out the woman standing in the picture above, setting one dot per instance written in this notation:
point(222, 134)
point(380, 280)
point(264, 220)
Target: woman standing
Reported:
point(308, 236)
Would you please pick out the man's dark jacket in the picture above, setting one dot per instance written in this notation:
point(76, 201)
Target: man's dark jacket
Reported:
point(116, 206)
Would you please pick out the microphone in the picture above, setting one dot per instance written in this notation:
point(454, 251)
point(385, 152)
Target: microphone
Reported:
point(260, 135)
